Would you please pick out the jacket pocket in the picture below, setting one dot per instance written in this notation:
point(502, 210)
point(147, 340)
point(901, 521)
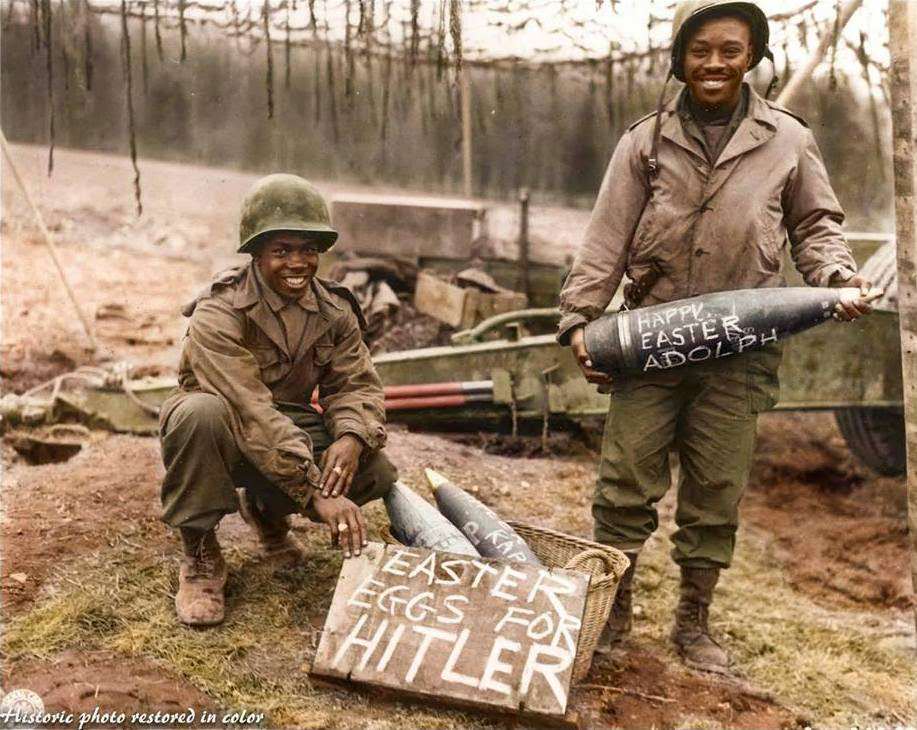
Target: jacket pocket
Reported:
point(769, 243)
point(272, 364)
point(763, 380)
point(324, 352)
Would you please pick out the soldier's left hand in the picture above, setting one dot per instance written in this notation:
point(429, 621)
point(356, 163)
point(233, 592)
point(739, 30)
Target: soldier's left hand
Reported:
point(339, 465)
point(847, 311)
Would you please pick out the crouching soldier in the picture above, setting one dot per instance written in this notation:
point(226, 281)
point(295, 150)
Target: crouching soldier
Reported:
point(261, 338)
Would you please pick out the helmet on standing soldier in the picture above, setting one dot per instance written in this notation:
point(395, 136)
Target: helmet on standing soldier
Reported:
point(689, 14)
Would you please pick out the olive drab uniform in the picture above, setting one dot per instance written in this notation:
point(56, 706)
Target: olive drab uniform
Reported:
point(248, 388)
point(705, 225)
point(241, 416)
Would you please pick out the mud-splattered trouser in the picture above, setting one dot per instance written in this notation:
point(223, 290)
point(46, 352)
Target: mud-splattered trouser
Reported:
point(708, 414)
point(204, 465)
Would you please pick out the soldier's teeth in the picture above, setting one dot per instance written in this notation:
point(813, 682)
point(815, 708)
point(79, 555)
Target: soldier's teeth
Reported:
point(296, 281)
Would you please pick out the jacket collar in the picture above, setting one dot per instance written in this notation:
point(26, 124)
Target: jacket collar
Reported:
point(758, 127)
point(253, 289)
point(255, 297)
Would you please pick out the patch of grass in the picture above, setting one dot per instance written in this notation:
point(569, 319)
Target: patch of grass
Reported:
point(257, 660)
point(828, 665)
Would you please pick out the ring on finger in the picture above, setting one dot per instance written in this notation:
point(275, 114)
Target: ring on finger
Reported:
point(337, 469)
point(343, 527)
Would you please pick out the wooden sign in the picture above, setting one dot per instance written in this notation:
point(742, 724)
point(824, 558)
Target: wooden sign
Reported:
point(481, 632)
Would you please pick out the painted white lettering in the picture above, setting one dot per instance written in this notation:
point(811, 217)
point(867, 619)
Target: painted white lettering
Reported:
point(353, 639)
point(424, 608)
point(449, 673)
point(548, 671)
point(482, 569)
point(565, 628)
point(510, 618)
point(390, 648)
point(494, 666)
point(547, 626)
point(708, 327)
point(672, 359)
point(509, 578)
point(428, 567)
point(746, 341)
point(731, 327)
point(446, 567)
point(364, 590)
point(470, 529)
point(651, 363)
point(457, 613)
point(429, 634)
point(387, 599)
point(396, 562)
point(700, 353)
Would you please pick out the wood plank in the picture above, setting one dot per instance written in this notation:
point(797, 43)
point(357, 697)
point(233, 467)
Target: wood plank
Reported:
point(440, 299)
point(903, 43)
point(479, 632)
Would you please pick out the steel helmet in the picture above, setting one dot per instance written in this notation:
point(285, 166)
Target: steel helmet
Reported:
point(689, 13)
point(284, 202)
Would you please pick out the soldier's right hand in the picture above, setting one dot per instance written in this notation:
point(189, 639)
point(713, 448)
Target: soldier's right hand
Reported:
point(344, 520)
point(578, 343)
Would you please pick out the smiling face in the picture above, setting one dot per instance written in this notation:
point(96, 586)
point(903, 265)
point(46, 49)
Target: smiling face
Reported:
point(717, 56)
point(288, 261)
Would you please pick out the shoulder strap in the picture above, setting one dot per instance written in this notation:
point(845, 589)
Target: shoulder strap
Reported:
point(776, 107)
point(335, 287)
point(641, 120)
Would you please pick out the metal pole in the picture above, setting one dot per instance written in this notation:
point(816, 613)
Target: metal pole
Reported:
point(49, 241)
point(466, 132)
point(903, 42)
point(524, 241)
point(795, 84)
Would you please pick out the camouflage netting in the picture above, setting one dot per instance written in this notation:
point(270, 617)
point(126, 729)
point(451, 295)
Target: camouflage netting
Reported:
point(383, 74)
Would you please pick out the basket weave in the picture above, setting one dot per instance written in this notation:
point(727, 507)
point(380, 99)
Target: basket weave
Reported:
point(604, 564)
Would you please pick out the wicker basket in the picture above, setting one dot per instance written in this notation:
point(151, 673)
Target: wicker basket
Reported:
point(604, 564)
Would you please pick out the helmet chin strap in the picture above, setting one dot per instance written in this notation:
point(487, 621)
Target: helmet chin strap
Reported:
point(652, 162)
point(775, 79)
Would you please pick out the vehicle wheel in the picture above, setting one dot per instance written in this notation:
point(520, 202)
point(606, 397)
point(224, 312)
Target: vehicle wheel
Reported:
point(876, 437)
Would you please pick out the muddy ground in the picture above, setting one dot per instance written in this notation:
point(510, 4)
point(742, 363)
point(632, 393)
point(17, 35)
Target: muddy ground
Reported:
point(815, 609)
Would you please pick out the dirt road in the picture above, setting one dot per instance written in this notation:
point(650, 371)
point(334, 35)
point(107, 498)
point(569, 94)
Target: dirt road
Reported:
point(814, 609)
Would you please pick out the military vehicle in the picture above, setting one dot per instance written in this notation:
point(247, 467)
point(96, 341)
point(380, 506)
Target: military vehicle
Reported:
point(509, 372)
point(511, 376)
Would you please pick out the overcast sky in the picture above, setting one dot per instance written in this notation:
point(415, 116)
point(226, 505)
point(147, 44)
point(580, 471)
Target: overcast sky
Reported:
point(551, 30)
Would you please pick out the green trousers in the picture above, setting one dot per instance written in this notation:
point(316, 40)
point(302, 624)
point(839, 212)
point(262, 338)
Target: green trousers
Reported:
point(707, 414)
point(204, 465)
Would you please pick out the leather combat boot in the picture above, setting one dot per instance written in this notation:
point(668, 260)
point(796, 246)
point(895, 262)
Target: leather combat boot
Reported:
point(279, 545)
point(201, 579)
point(621, 617)
point(691, 635)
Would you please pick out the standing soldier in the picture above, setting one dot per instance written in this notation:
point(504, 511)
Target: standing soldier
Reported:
point(261, 338)
point(700, 196)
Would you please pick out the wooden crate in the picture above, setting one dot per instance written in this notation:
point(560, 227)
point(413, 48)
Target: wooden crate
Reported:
point(458, 307)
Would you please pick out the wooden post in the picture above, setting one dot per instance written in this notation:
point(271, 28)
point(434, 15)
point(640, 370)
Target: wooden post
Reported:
point(795, 84)
point(466, 132)
point(49, 242)
point(903, 30)
point(524, 242)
